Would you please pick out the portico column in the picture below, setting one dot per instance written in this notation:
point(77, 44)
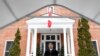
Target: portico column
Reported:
point(65, 42)
point(72, 42)
point(28, 43)
point(34, 42)
point(68, 43)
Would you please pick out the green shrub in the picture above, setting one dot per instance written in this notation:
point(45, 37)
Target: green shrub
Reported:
point(84, 39)
point(15, 48)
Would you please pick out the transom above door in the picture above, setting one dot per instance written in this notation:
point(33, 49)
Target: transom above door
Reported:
point(50, 37)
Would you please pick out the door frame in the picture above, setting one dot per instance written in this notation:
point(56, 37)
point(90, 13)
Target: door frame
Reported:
point(44, 41)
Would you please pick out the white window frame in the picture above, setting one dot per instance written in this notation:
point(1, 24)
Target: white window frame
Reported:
point(97, 46)
point(5, 46)
point(43, 41)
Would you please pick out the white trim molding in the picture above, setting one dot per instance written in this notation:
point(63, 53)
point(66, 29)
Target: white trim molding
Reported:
point(56, 22)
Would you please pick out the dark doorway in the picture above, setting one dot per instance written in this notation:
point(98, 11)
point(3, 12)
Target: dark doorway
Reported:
point(54, 44)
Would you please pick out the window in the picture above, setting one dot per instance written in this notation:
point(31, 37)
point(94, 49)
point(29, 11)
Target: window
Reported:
point(95, 47)
point(47, 37)
point(42, 37)
point(42, 47)
point(8, 45)
point(58, 47)
point(52, 37)
point(57, 37)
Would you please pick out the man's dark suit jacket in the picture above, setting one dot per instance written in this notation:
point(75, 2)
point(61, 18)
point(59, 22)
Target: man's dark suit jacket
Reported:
point(51, 53)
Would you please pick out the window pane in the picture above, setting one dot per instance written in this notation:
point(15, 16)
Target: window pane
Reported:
point(57, 37)
point(9, 43)
point(52, 37)
point(47, 37)
point(42, 37)
point(42, 47)
point(95, 46)
point(58, 46)
point(6, 53)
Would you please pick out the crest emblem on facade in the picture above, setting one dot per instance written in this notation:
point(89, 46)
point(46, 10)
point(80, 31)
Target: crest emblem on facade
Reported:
point(49, 23)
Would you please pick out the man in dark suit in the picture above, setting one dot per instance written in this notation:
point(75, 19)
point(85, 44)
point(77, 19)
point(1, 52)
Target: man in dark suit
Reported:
point(51, 51)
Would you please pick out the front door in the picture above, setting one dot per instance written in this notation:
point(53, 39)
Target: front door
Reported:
point(50, 38)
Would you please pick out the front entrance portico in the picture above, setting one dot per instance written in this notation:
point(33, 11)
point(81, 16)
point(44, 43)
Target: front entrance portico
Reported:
point(51, 23)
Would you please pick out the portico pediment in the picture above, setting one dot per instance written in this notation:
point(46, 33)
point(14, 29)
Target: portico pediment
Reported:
point(56, 22)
